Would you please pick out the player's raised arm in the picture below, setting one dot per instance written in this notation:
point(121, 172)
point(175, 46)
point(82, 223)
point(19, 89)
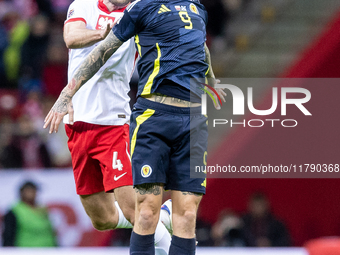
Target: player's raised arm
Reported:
point(211, 76)
point(93, 62)
point(210, 73)
point(76, 35)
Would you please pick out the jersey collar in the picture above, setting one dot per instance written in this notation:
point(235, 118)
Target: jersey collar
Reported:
point(103, 8)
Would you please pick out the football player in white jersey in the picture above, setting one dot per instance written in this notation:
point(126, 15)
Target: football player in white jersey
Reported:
point(99, 132)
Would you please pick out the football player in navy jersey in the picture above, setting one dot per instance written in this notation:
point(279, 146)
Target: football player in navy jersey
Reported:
point(167, 131)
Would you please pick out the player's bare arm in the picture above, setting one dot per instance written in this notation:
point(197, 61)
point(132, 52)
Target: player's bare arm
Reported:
point(76, 35)
point(210, 73)
point(211, 76)
point(93, 62)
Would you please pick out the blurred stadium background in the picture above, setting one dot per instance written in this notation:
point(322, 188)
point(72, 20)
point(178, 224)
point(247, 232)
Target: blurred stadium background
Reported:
point(248, 39)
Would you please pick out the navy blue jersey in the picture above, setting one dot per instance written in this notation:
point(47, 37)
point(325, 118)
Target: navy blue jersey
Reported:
point(170, 37)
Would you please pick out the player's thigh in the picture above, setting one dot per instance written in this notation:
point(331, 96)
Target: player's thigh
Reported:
point(148, 203)
point(183, 201)
point(111, 149)
point(187, 154)
point(99, 206)
point(149, 194)
point(184, 212)
point(126, 197)
point(149, 151)
point(86, 170)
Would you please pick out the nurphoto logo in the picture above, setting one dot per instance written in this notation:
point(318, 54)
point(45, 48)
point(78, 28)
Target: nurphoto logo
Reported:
point(239, 101)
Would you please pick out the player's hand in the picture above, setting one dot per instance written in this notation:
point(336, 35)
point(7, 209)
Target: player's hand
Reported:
point(108, 28)
point(106, 31)
point(220, 91)
point(221, 94)
point(62, 106)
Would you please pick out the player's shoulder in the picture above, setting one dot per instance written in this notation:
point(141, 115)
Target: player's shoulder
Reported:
point(137, 4)
point(145, 5)
point(80, 8)
point(194, 3)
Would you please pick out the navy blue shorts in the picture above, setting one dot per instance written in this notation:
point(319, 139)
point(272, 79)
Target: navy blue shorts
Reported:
point(164, 141)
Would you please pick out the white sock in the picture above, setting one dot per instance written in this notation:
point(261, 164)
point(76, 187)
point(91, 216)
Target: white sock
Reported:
point(162, 239)
point(165, 219)
point(122, 221)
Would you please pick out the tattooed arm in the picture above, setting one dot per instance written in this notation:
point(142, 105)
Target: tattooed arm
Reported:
point(93, 62)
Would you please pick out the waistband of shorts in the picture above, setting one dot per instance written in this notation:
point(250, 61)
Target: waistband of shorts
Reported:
point(168, 108)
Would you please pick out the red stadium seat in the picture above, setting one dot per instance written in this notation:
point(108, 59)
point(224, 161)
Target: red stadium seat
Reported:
point(324, 246)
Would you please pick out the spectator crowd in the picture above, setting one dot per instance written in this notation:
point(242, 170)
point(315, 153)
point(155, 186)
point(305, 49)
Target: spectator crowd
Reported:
point(257, 227)
point(33, 70)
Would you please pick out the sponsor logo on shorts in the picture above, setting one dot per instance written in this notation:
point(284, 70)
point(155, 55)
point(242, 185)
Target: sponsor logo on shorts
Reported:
point(116, 178)
point(193, 8)
point(146, 171)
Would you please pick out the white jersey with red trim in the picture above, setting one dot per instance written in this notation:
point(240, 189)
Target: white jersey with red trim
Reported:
point(104, 99)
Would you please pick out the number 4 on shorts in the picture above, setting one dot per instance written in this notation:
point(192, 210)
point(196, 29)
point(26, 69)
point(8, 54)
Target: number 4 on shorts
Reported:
point(116, 164)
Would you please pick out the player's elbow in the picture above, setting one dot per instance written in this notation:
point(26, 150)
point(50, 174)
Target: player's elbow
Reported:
point(70, 45)
point(70, 42)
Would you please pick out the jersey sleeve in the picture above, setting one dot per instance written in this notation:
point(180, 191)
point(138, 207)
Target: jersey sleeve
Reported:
point(205, 14)
point(129, 24)
point(76, 12)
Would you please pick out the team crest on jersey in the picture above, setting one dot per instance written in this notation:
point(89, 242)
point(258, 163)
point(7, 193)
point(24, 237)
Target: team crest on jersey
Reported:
point(70, 13)
point(193, 8)
point(181, 8)
point(146, 171)
point(103, 21)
